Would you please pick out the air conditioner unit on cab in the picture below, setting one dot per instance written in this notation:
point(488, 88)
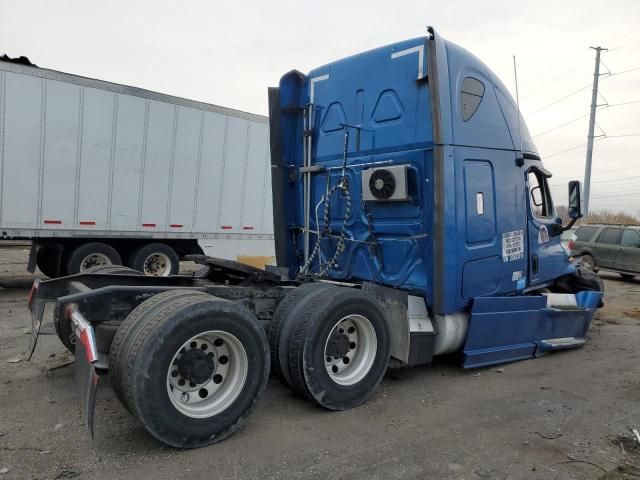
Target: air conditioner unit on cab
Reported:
point(385, 184)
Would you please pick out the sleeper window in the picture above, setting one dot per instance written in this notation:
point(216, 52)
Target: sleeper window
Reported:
point(470, 96)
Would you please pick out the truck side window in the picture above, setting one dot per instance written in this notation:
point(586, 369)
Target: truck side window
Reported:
point(539, 195)
point(630, 238)
point(471, 94)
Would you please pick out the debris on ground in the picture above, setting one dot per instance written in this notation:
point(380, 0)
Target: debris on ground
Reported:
point(549, 437)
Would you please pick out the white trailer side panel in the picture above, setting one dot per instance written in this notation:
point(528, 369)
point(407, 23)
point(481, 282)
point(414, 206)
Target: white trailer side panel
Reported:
point(184, 178)
point(83, 157)
point(59, 154)
point(236, 153)
point(126, 160)
point(214, 146)
point(155, 184)
point(92, 190)
point(21, 159)
point(253, 184)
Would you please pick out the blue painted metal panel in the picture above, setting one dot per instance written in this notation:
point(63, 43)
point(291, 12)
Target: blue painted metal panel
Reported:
point(505, 329)
point(378, 98)
point(382, 98)
point(479, 201)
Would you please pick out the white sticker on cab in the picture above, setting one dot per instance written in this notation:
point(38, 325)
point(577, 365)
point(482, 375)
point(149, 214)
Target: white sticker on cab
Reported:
point(512, 246)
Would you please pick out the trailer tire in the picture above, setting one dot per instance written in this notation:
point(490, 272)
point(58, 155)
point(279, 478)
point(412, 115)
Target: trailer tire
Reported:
point(155, 259)
point(283, 316)
point(47, 261)
point(122, 339)
point(190, 400)
point(113, 270)
point(91, 254)
point(339, 349)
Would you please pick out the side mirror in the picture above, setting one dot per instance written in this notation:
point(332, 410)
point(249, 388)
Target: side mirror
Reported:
point(575, 200)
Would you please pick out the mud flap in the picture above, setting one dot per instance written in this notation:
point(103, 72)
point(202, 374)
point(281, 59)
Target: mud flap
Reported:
point(37, 312)
point(506, 329)
point(86, 380)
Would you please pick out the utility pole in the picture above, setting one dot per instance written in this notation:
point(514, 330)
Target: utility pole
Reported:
point(592, 124)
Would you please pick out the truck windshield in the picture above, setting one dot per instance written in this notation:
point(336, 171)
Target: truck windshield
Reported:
point(539, 195)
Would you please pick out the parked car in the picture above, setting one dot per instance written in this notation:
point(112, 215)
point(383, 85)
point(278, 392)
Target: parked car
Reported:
point(608, 247)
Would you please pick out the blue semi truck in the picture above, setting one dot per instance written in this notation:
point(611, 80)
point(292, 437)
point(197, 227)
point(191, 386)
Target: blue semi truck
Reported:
point(412, 218)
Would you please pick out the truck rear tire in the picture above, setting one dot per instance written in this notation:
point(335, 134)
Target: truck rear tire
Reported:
point(194, 368)
point(339, 348)
point(122, 339)
point(155, 259)
point(91, 255)
point(282, 316)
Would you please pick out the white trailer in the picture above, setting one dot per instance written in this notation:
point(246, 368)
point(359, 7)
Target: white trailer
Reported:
point(96, 173)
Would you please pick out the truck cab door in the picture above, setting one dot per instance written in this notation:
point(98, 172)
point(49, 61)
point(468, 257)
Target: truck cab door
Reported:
point(547, 258)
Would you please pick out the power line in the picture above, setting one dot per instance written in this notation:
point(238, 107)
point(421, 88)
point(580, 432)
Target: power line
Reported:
point(546, 157)
point(621, 103)
point(560, 126)
point(623, 135)
point(561, 99)
point(616, 179)
point(618, 195)
point(619, 37)
point(624, 46)
point(555, 79)
point(603, 107)
point(623, 72)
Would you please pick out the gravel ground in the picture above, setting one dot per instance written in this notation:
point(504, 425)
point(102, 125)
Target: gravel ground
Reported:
point(563, 416)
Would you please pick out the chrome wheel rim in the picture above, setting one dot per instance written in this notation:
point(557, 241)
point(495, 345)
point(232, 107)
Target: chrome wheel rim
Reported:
point(206, 397)
point(157, 265)
point(350, 350)
point(93, 260)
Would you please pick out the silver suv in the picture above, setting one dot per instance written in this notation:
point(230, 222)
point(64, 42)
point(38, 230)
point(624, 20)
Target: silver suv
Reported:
point(608, 247)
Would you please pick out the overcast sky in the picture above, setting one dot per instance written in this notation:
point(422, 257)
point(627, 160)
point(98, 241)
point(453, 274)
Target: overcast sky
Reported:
point(228, 53)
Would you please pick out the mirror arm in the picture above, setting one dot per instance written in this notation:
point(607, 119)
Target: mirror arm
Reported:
point(558, 229)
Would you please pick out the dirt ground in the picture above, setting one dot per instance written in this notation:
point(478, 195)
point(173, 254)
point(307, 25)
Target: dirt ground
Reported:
point(563, 416)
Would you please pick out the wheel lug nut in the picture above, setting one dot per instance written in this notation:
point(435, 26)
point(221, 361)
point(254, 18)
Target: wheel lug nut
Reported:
point(184, 397)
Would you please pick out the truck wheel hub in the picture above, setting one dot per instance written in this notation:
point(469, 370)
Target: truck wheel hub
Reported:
point(350, 350)
point(196, 366)
point(338, 345)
